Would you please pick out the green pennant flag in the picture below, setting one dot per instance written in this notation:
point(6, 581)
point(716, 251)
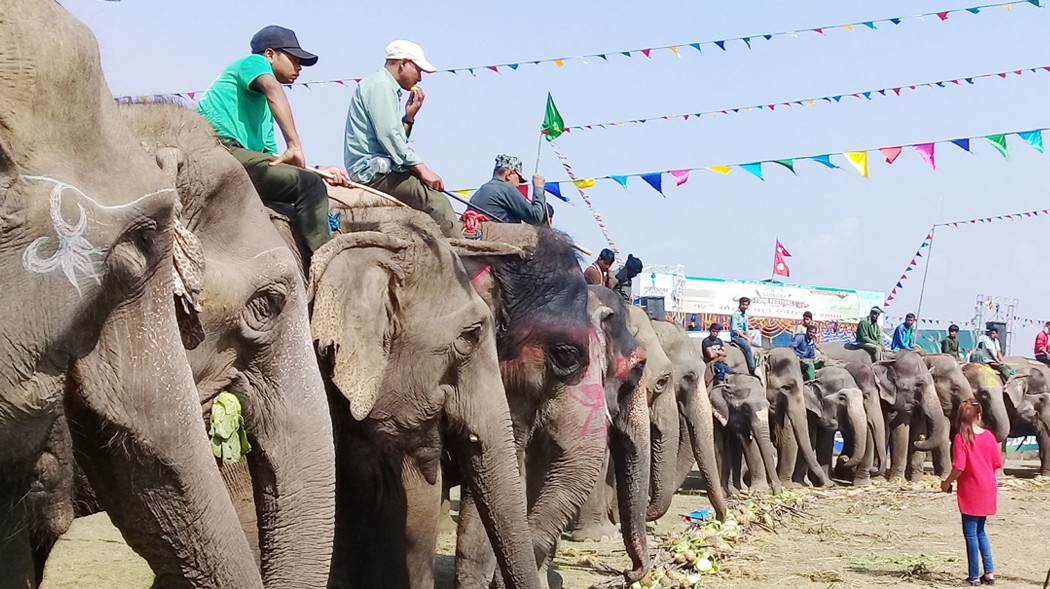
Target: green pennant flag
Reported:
point(789, 164)
point(553, 125)
point(999, 142)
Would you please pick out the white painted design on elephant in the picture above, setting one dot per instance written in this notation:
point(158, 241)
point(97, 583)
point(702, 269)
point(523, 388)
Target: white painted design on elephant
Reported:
point(74, 253)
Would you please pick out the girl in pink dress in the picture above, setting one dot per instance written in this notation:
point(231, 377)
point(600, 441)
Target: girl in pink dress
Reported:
point(975, 458)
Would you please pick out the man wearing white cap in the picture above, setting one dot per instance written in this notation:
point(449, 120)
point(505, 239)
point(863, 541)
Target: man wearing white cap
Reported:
point(377, 152)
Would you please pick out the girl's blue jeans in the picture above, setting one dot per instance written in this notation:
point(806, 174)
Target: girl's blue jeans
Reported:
point(978, 549)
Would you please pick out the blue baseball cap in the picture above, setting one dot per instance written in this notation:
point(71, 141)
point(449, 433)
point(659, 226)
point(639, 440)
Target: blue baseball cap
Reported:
point(282, 39)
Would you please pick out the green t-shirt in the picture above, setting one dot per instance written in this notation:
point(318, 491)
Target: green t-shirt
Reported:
point(236, 110)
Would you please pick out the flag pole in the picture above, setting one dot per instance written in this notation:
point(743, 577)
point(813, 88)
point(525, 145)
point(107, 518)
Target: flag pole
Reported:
point(773, 276)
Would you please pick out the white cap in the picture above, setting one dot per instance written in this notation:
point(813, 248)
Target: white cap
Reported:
point(402, 49)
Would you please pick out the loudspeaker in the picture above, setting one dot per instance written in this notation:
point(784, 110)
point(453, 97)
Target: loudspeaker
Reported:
point(654, 307)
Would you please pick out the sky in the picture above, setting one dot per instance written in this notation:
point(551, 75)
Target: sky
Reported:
point(842, 230)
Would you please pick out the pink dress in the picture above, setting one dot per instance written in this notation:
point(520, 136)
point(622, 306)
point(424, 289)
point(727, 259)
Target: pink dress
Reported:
point(978, 462)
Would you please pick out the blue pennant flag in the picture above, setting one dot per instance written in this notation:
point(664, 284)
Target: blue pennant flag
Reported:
point(866, 95)
point(908, 269)
point(555, 189)
point(1034, 138)
point(696, 46)
point(512, 66)
point(621, 180)
point(870, 25)
point(768, 37)
point(969, 80)
point(974, 10)
point(899, 285)
point(602, 55)
point(939, 84)
point(626, 53)
point(721, 45)
point(883, 91)
point(653, 180)
point(963, 144)
point(895, 21)
point(748, 41)
point(836, 98)
point(755, 168)
point(824, 159)
point(918, 254)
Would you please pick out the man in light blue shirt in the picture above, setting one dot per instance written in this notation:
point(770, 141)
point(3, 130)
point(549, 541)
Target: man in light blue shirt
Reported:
point(377, 153)
point(739, 326)
point(904, 335)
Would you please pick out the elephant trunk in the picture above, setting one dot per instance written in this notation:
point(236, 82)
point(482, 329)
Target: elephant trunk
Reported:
point(144, 448)
point(996, 418)
point(931, 406)
point(665, 437)
point(630, 448)
point(482, 443)
point(877, 424)
point(800, 427)
point(858, 425)
point(293, 465)
point(699, 421)
point(760, 429)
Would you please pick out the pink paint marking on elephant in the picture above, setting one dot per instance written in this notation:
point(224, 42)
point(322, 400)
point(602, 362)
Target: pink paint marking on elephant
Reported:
point(485, 270)
point(591, 394)
point(625, 364)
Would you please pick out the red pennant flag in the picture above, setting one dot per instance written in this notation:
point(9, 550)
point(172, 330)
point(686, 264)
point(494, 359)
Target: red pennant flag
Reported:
point(646, 52)
point(493, 68)
point(897, 91)
point(891, 153)
point(780, 267)
point(524, 190)
point(942, 15)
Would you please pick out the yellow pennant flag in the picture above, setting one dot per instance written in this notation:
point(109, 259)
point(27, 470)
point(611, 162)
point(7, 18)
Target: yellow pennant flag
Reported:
point(720, 169)
point(859, 159)
point(584, 183)
point(848, 27)
point(675, 51)
point(810, 102)
point(1008, 7)
point(465, 193)
point(559, 62)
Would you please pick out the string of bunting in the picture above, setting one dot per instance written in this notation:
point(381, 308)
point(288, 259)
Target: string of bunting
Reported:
point(858, 160)
point(955, 225)
point(580, 186)
point(647, 53)
point(868, 95)
point(963, 323)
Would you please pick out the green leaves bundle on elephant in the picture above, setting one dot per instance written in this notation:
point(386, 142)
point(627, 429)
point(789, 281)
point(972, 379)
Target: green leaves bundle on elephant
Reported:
point(229, 439)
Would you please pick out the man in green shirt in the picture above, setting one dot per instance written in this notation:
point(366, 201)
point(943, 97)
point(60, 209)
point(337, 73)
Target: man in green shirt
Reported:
point(950, 344)
point(242, 104)
point(869, 334)
point(376, 151)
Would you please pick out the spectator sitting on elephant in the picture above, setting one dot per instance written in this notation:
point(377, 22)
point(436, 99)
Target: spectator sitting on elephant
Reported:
point(801, 328)
point(1042, 344)
point(550, 215)
point(869, 334)
point(598, 271)
point(500, 200)
point(622, 283)
point(809, 356)
point(904, 335)
point(739, 328)
point(715, 355)
point(990, 352)
point(242, 104)
point(950, 344)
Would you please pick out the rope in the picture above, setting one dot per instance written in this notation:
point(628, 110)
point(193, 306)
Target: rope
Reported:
point(586, 199)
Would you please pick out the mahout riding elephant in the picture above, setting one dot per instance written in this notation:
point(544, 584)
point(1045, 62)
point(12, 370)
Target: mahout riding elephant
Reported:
point(1028, 404)
point(741, 413)
point(695, 421)
point(549, 361)
point(864, 378)
point(408, 354)
point(86, 256)
point(911, 406)
point(835, 403)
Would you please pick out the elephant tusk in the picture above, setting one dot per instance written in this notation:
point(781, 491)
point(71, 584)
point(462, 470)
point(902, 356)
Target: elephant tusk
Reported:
point(473, 438)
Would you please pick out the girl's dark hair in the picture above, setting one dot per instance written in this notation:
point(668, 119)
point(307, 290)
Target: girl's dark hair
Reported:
point(970, 413)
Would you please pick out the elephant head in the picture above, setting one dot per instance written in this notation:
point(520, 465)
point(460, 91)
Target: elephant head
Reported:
point(907, 387)
point(784, 391)
point(740, 405)
point(836, 407)
point(86, 252)
point(409, 348)
point(985, 384)
point(256, 342)
point(695, 421)
point(864, 378)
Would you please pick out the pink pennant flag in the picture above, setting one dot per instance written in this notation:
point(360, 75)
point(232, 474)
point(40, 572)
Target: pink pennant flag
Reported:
point(897, 91)
point(926, 151)
point(680, 176)
point(646, 52)
point(821, 31)
point(891, 153)
point(942, 15)
point(191, 94)
point(340, 82)
point(1002, 75)
point(493, 68)
point(685, 118)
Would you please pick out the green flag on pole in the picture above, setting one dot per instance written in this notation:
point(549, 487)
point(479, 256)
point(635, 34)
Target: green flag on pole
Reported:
point(553, 125)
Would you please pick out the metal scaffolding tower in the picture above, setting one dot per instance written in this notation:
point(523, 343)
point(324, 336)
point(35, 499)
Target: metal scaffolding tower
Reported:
point(995, 310)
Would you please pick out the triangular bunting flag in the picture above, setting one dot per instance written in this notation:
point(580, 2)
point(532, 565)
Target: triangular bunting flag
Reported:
point(999, 142)
point(824, 159)
point(942, 15)
point(891, 153)
point(768, 37)
point(653, 180)
point(621, 180)
point(821, 31)
point(755, 168)
point(859, 159)
point(870, 25)
point(696, 46)
point(465, 193)
point(974, 10)
point(963, 144)
point(926, 151)
point(493, 68)
point(524, 190)
point(720, 169)
point(1034, 138)
point(647, 52)
point(721, 45)
point(895, 21)
point(555, 189)
point(789, 164)
point(747, 40)
point(557, 62)
point(680, 176)
point(584, 183)
point(675, 51)
point(512, 66)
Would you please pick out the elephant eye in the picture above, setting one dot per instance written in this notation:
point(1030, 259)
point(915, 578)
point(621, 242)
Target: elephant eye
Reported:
point(263, 308)
point(468, 339)
point(661, 384)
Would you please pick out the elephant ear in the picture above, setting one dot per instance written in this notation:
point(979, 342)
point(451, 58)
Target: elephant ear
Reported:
point(719, 403)
point(1016, 388)
point(813, 392)
point(355, 298)
point(884, 380)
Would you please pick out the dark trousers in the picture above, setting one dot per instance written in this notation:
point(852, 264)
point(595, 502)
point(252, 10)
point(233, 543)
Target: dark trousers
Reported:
point(978, 549)
point(291, 185)
point(410, 190)
point(1043, 358)
point(745, 346)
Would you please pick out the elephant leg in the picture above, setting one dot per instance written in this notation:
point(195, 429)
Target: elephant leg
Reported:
point(736, 463)
point(825, 448)
point(594, 521)
point(798, 476)
point(446, 524)
point(862, 477)
point(422, 500)
point(16, 555)
point(475, 561)
point(899, 442)
point(755, 466)
point(787, 453)
point(916, 457)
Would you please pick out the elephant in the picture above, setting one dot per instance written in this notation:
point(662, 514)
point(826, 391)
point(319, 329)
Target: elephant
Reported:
point(86, 251)
point(742, 411)
point(1028, 395)
point(848, 352)
point(409, 358)
point(695, 422)
point(953, 387)
point(864, 378)
point(836, 403)
point(783, 379)
point(552, 373)
point(910, 404)
point(989, 390)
